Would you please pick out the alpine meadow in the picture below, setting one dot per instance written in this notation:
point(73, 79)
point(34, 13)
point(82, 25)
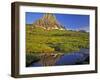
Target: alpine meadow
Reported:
point(47, 41)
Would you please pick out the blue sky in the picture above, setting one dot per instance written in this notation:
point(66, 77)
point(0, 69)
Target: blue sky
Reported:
point(69, 21)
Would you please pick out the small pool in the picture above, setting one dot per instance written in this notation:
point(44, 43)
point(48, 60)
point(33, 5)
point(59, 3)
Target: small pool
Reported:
point(75, 58)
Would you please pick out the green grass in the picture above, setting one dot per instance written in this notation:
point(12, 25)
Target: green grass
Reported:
point(30, 58)
point(39, 40)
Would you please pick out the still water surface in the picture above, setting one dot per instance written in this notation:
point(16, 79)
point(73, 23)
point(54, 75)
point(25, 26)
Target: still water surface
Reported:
point(75, 58)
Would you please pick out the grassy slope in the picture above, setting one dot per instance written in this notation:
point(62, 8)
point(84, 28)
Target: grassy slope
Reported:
point(42, 41)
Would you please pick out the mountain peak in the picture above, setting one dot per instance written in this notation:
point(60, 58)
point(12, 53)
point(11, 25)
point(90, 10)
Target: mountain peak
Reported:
point(49, 16)
point(48, 21)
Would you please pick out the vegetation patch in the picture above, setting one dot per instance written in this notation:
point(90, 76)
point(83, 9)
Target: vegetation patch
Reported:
point(39, 40)
point(30, 58)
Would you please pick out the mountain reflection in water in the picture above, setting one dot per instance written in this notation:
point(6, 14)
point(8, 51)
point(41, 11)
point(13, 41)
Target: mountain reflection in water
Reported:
point(74, 58)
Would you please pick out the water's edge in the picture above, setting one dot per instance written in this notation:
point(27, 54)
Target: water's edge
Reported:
point(75, 58)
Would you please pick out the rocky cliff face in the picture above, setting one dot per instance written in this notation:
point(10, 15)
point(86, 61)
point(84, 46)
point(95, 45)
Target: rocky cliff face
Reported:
point(48, 21)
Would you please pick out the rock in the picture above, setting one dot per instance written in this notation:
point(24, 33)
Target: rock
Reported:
point(48, 22)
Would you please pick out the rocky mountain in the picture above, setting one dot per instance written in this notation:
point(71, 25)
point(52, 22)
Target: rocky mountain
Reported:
point(48, 22)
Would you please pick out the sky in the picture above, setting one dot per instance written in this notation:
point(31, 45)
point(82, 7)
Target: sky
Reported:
point(69, 21)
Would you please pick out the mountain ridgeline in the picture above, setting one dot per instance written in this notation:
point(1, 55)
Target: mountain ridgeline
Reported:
point(48, 22)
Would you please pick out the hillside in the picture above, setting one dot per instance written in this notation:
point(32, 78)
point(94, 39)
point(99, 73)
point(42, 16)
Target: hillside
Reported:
point(39, 40)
